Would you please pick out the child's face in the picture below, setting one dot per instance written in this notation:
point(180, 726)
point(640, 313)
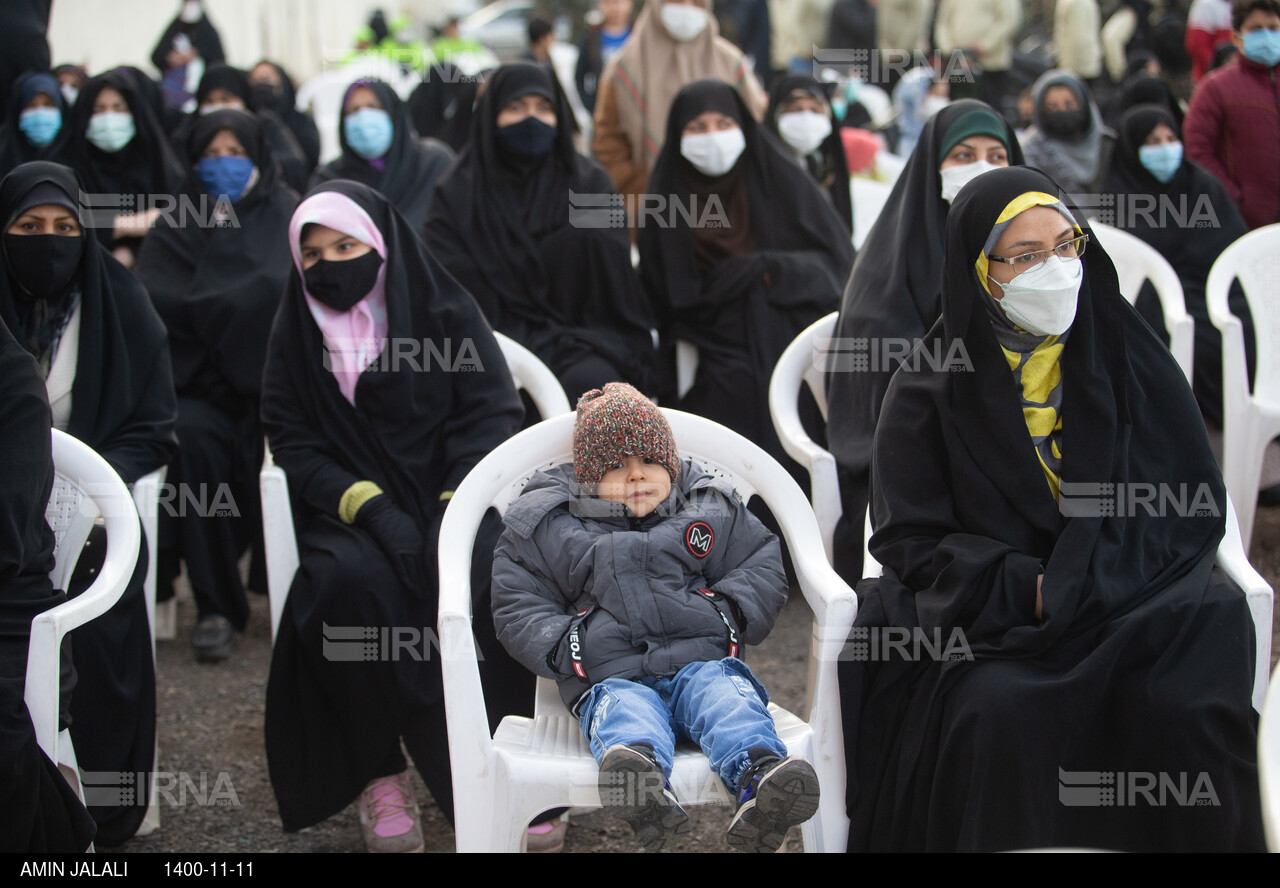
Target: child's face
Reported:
point(637, 482)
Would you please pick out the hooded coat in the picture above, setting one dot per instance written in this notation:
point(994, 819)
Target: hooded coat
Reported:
point(1140, 660)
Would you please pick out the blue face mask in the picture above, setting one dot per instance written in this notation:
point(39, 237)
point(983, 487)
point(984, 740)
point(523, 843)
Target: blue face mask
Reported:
point(1161, 161)
point(368, 132)
point(527, 138)
point(1263, 47)
point(40, 125)
point(225, 175)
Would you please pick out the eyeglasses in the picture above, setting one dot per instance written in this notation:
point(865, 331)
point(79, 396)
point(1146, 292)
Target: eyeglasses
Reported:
point(1072, 249)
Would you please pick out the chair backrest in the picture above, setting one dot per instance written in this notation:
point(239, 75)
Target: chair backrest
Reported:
point(1250, 420)
point(500, 477)
point(534, 377)
point(869, 198)
point(1269, 764)
point(804, 362)
point(1137, 262)
point(85, 489)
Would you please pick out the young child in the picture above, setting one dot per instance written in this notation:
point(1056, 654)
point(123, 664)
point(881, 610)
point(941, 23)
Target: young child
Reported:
point(632, 579)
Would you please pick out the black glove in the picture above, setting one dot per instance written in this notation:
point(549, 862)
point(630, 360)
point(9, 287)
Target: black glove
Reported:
point(399, 538)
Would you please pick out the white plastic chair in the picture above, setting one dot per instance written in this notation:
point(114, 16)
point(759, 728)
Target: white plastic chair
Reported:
point(1231, 558)
point(1269, 764)
point(531, 765)
point(279, 538)
point(85, 488)
point(1136, 262)
point(804, 361)
point(161, 616)
point(686, 367)
point(1249, 421)
point(869, 198)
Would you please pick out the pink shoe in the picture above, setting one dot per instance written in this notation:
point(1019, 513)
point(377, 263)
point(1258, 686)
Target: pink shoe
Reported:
point(389, 816)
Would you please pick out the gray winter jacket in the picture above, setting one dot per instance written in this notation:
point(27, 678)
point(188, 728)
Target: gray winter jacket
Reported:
point(584, 591)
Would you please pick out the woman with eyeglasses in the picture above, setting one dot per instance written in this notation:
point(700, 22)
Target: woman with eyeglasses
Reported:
point(1069, 647)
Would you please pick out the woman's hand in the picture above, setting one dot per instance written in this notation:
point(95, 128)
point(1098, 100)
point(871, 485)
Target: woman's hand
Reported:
point(1039, 598)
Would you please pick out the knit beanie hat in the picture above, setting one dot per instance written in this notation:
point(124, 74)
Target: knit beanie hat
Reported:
point(617, 422)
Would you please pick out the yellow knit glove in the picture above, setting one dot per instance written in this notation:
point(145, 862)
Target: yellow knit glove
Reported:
point(356, 496)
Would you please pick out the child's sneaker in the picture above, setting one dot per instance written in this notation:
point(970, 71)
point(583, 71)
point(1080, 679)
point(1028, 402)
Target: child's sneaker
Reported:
point(773, 795)
point(389, 816)
point(633, 788)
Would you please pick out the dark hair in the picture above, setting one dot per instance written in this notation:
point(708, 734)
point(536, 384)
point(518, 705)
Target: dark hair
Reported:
point(540, 27)
point(1240, 10)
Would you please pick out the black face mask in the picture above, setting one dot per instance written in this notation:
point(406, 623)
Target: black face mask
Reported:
point(1066, 124)
point(41, 264)
point(342, 284)
point(528, 138)
point(265, 97)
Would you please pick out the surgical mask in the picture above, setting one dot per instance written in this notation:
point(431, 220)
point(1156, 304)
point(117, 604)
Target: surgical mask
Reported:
point(931, 106)
point(69, 93)
point(42, 264)
point(527, 138)
point(1263, 47)
point(225, 175)
point(956, 177)
point(714, 154)
point(804, 131)
point(1043, 300)
point(40, 125)
point(111, 130)
point(1161, 161)
point(191, 13)
point(224, 106)
point(341, 284)
point(368, 132)
point(683, 22)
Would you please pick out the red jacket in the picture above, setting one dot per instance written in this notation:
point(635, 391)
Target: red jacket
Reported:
point(1233, 130)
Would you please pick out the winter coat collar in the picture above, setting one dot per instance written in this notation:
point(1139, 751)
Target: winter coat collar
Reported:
point(557, 486)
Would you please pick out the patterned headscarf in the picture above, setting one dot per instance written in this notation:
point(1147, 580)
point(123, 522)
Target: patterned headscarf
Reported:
point(1034, 359)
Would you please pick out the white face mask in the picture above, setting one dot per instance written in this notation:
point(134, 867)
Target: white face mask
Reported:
point(956, 177)
point(683, 22)
point(191, 12)
point(714, 154)
point(225, 106)
point(804, 131)
point(1043, 300)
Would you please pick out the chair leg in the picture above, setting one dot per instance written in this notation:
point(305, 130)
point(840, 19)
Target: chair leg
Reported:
point(166, 620)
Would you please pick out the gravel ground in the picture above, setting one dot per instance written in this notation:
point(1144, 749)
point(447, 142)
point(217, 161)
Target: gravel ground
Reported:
point(210, 721)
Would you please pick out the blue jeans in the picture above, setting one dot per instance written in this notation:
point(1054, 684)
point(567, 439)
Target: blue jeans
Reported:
point(717, 704)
